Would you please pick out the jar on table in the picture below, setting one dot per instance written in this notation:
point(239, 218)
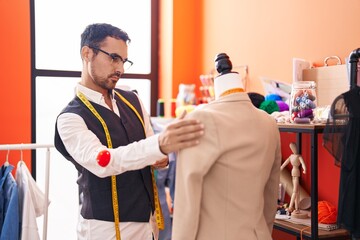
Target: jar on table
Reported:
point(186, 95)
point(302, 101)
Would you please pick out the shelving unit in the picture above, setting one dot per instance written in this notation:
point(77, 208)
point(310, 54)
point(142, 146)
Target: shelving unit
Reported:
point(314, 130)
point(298, 230)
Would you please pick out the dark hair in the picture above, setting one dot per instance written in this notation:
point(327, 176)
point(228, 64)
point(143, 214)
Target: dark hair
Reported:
point(95, 33)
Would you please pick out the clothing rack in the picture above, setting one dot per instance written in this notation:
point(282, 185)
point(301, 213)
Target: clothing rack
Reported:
point(32, 146)
point(353, 61)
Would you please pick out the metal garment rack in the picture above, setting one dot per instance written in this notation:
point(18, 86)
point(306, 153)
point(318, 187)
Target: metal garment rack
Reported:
point(32, 146)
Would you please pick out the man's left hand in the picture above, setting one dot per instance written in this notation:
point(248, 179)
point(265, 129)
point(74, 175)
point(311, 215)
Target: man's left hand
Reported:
point(161, 163)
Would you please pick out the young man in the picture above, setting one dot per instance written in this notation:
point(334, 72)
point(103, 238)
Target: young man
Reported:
point(106, 133)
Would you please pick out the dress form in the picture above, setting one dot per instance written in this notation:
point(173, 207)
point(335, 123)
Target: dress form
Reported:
point(226, 80)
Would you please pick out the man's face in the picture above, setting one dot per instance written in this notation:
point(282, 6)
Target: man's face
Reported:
point(103, 69)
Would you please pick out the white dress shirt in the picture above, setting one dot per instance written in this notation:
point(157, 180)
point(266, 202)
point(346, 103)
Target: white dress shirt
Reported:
point(83, 145)
point(32, 202)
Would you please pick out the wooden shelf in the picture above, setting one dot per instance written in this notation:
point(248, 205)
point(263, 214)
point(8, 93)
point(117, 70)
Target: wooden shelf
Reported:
point(297, 127)
point(313, 130)
point(295, 229)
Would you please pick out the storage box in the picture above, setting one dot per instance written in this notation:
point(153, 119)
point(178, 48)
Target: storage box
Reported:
point(331, 81)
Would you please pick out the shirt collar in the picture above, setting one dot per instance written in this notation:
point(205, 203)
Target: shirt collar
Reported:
point(90, 94)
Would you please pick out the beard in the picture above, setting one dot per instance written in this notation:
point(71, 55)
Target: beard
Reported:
point(108, 82)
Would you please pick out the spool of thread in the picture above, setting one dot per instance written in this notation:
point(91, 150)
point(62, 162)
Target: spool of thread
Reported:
point(306, 113)
point(173, 107)
point(326, 212)
point(301, 120)
point(160, 107)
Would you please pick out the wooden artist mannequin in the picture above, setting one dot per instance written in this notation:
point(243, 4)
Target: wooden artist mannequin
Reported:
point(295, 159)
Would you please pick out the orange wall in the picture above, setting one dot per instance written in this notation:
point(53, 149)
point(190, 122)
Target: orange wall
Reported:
point(187, 38)
point(265, 35)
point(15, 76)
point(180, 46)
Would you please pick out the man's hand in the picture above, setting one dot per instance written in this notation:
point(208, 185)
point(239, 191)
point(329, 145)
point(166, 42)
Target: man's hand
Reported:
point(161, 163)
point(181, 133)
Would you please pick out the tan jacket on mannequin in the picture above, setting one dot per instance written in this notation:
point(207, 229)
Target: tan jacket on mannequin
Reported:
point(226, 187)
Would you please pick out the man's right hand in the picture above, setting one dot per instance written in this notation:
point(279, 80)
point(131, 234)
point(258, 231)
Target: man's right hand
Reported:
point(181, 133)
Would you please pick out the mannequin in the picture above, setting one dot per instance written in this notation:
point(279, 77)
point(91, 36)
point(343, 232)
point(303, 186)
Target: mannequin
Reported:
point(295, 159)
point(216, 178)
point(227, 81)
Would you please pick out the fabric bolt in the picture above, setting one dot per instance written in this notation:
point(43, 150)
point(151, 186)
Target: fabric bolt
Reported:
point(9, 205)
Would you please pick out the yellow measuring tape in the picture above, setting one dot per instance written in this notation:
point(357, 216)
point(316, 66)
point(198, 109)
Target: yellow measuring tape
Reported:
point(113, 178)
point(158, 211)
point(159, 215)
point(232, 90)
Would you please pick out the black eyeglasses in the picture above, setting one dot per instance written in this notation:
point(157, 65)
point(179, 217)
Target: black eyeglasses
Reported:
point(115, 58)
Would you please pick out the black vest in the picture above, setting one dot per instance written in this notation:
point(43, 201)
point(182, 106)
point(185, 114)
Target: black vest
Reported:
point(134, 188)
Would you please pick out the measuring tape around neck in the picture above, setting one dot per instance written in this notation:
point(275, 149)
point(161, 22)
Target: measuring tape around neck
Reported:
point(113, 178)
point(158, 211)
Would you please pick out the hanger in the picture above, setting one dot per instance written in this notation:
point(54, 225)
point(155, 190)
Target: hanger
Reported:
point(21, 157)
point(7, 159)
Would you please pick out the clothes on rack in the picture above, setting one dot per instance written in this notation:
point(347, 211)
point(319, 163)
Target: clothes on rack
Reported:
point(349, 193)
point(342, 138)
point(38, 198)
point(32, 201)
point(9, 205)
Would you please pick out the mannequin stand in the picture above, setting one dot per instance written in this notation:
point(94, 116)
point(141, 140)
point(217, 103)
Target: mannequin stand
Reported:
point(299, 214)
